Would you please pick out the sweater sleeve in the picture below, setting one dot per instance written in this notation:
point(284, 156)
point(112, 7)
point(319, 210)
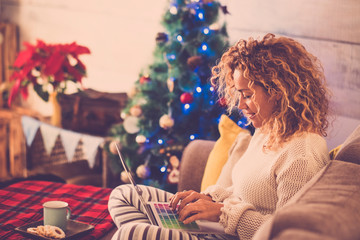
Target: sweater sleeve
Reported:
point(241, 218)
point(218, 193)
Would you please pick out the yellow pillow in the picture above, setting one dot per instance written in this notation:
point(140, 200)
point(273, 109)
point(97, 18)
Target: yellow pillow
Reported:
point(334, 151)
point(219, 154)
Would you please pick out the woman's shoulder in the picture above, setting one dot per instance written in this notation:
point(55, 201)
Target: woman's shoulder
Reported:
point(306, 143)
point(309, 139)
point(308, 149)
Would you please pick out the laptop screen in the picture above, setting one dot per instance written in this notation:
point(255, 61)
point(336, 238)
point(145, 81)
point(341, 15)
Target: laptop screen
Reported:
point(127, 170)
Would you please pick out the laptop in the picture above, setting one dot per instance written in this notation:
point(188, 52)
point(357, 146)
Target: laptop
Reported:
point(160, 213)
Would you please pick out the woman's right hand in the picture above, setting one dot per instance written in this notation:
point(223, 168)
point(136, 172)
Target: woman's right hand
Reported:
point(185, 198)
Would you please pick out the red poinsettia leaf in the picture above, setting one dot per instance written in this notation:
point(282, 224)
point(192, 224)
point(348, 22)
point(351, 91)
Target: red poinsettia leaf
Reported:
point(26, 70)
point(80, 66)
point(73, 72)
point(75, 49)
point(31, 78)
point(59, 76)
point(44, 50)
point(14, 91)
point(53, 65)
point(41, 44)
point(20, 75)
point(14, 76)
point(24, 92)
point(24, 57)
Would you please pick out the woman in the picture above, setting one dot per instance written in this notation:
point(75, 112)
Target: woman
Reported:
point(280, 88)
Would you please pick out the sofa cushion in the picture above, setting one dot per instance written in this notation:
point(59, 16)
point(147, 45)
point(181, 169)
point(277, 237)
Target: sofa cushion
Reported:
point(193, 163)
point(219, 154)
point(350, 149)
point(327, 206)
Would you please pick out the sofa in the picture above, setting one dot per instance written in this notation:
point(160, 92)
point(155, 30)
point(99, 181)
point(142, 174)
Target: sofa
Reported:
point(327, 207)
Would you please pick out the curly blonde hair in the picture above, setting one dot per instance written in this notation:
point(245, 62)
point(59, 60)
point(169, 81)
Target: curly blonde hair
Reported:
point(281, 66)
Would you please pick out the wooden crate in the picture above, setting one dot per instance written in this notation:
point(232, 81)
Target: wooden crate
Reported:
point(91, 111)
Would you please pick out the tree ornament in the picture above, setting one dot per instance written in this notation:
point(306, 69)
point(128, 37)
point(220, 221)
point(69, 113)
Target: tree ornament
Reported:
point(123, 115)
point(143, 171)
point(133, 91)
point(142, 101)
point(194, 62)
point(124, 177)
point(214, 27)
point(173, 170)
point(174, 161)
point(173, 9)
point(166, 121)
point(145, 79)
point(131, 124)
point(222, 102)
point(161, 37)
point(112, 146)
point(170, 84)
point(140, 139)
point(186, 98)
point(135, 111)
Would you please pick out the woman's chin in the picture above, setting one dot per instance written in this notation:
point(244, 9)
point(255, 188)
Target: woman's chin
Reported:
point(256, 124)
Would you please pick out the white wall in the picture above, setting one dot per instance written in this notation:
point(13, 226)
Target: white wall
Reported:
point(121, 36)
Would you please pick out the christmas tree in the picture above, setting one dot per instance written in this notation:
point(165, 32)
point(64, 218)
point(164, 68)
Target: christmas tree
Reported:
point(173, 101)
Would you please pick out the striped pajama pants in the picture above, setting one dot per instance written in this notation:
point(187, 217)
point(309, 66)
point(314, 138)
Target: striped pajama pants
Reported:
point(129, 216)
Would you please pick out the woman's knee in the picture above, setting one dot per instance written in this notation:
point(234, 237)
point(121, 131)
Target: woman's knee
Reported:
point(133, 231)
point(118, 197)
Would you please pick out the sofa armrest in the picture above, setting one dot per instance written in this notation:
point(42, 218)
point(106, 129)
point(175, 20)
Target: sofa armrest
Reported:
point(192, 165)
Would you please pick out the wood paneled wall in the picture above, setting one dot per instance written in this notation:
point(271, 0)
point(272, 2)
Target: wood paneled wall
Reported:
point(330, 29)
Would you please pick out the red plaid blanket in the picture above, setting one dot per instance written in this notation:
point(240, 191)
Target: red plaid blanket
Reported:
point(21, 204)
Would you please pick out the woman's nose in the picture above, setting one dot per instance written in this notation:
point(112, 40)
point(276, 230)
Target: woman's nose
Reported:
point(242, 104)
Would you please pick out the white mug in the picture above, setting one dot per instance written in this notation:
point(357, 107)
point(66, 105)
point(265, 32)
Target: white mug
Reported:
point(56, 213)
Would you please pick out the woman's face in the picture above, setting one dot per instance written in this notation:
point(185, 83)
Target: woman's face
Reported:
point(257, 105)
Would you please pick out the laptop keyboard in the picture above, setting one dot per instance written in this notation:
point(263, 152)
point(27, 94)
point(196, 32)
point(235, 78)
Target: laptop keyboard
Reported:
point(169, 218)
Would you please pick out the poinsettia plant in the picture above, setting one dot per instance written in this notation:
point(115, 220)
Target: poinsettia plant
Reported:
point(47, 67)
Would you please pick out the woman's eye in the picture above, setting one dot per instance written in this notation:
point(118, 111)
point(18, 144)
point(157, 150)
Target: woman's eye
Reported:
point(247, 96)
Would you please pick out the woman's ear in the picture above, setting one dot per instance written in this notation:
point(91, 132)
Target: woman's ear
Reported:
point(276, 96)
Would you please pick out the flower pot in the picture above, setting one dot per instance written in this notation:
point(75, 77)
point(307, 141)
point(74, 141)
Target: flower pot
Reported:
point(56, 115)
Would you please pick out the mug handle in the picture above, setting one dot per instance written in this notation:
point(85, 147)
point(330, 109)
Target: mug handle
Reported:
point(68, 214)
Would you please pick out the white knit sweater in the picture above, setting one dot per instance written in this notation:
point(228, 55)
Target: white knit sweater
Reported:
point(254, 183)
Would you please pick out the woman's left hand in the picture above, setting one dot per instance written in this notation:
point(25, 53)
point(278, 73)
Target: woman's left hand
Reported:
point(201, 209)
